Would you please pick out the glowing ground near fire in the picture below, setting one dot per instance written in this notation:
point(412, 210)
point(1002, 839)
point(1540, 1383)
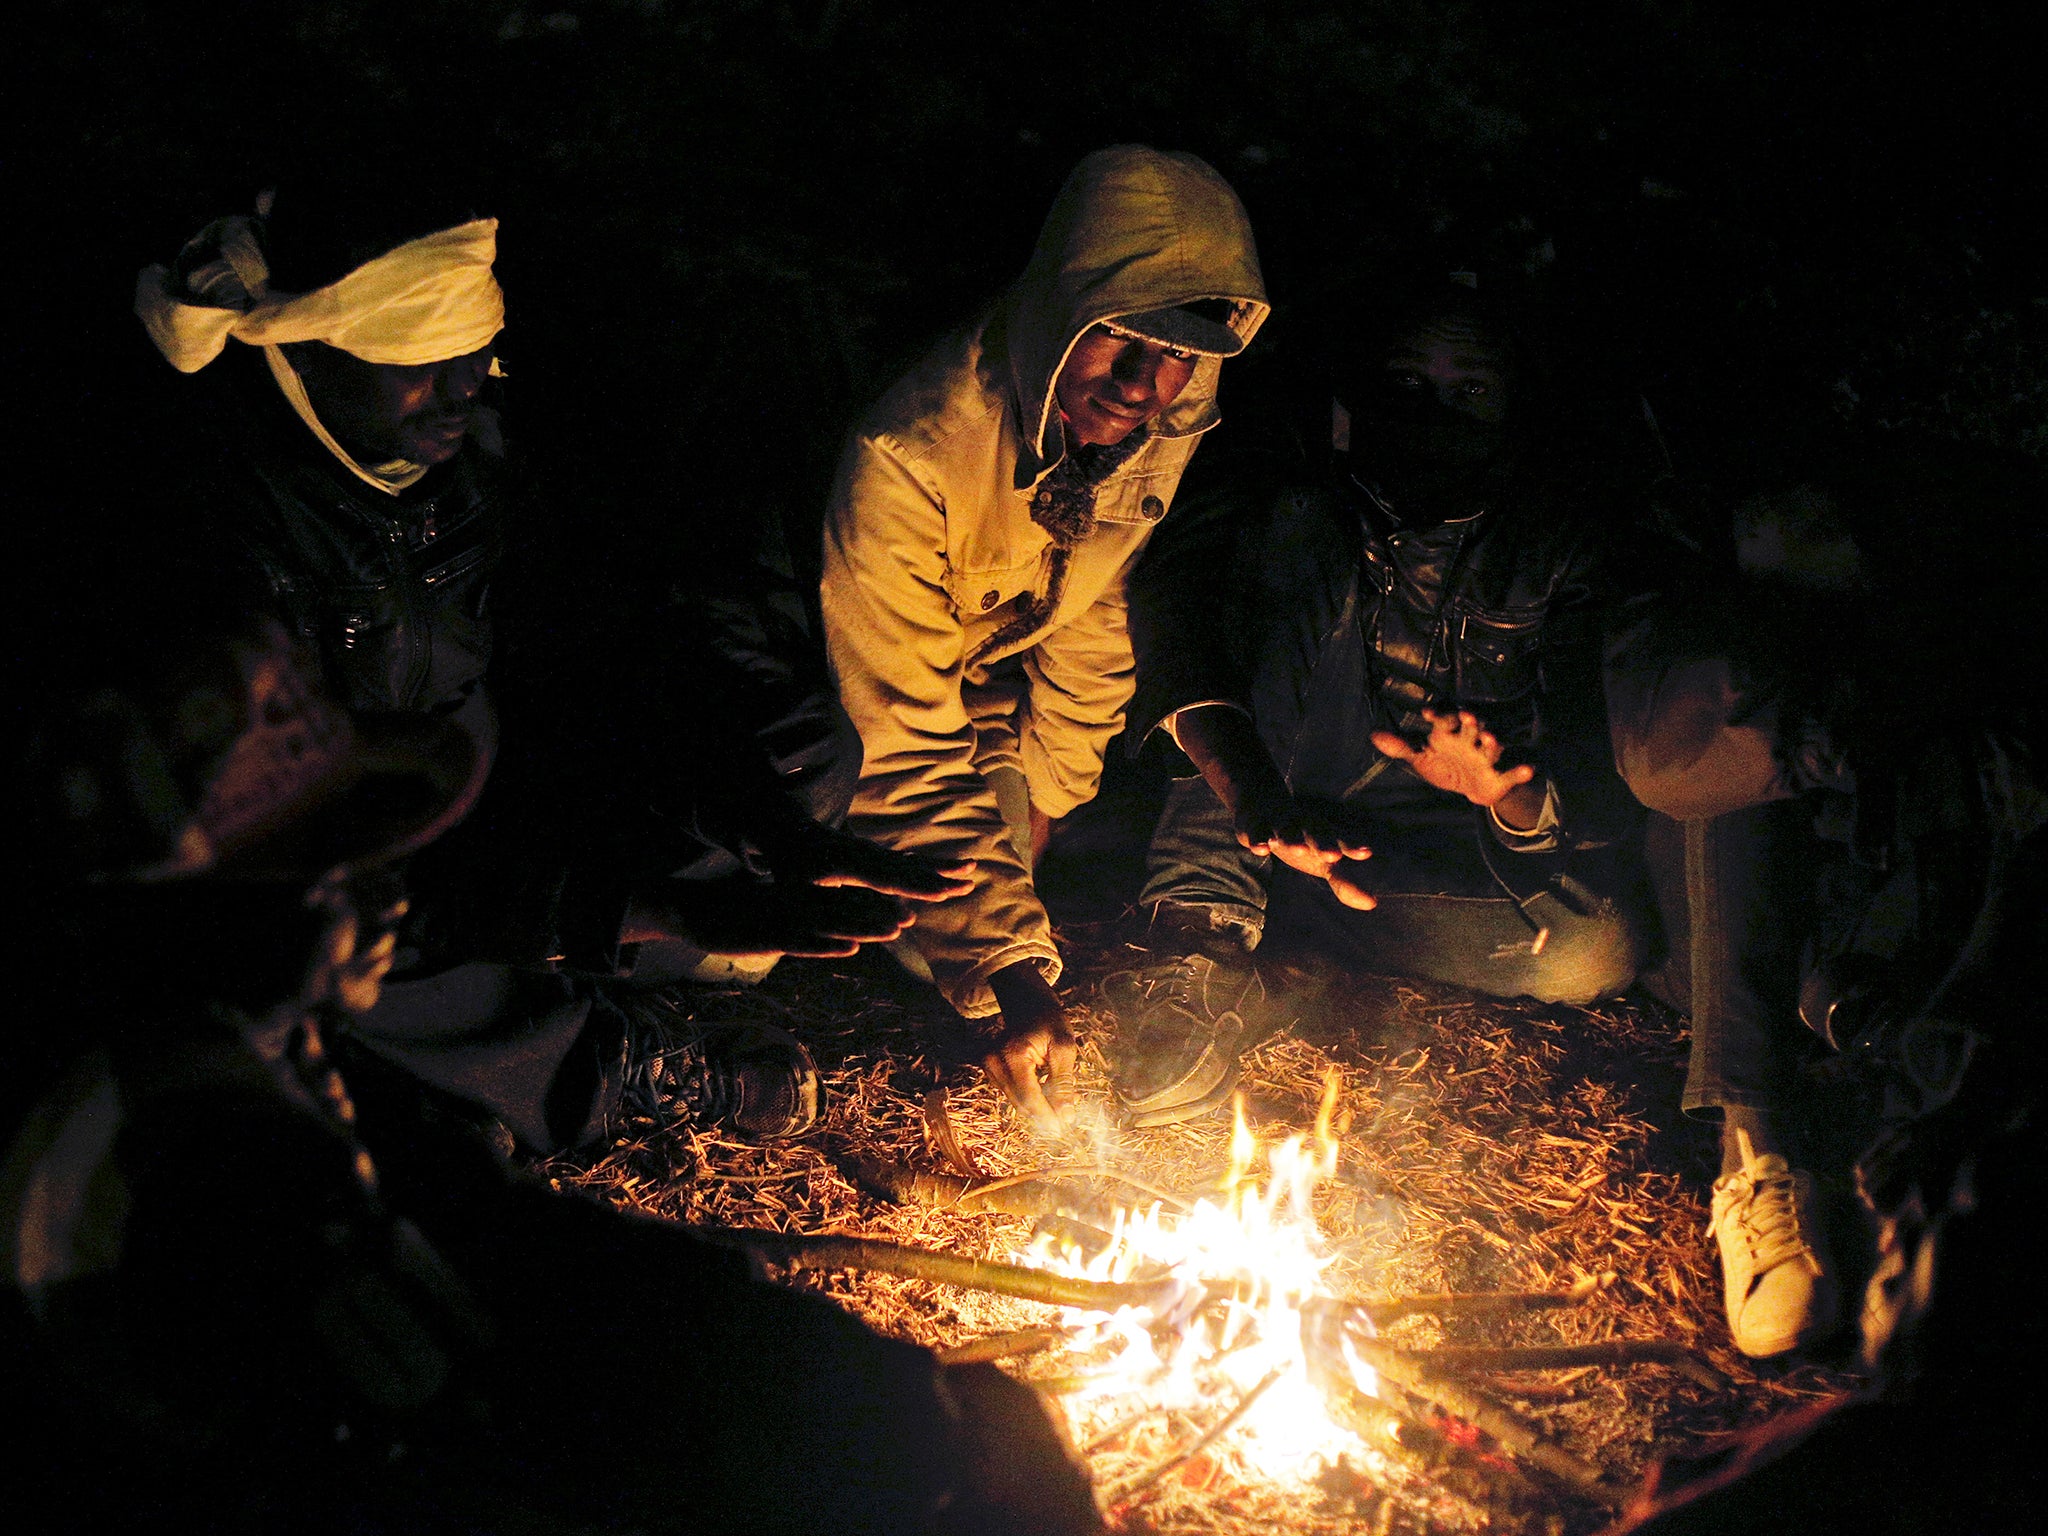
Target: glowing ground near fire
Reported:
point(1406, 1142)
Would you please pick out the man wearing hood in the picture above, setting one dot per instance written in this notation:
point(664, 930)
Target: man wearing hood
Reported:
point(986, 516)
point(1386, 676)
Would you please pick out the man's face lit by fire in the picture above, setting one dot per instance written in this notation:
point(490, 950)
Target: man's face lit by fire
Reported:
point(385, 411)
point(1115, 382)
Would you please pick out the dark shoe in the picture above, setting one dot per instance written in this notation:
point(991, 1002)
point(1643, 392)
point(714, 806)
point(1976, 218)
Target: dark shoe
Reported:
point(751, 1079)
point(1185, 1025)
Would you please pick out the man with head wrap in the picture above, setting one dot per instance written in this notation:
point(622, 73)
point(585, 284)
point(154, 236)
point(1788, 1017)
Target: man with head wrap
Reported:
point(1386, 676)
point(987, 512)
point(344, 343)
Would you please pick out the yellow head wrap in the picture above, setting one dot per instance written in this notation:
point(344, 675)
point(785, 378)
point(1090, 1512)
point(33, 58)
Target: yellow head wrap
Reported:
point(424, 302)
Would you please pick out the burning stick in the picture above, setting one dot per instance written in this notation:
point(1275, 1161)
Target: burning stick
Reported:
point(1199, 1444)
point(1041, 1192)
point(1413, 1375)
point(1479, 1303)
point(1556, 1357)
point(1324, 1324)
point(827, 1250)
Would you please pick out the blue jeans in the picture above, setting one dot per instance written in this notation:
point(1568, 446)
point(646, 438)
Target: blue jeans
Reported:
point(1448, 910)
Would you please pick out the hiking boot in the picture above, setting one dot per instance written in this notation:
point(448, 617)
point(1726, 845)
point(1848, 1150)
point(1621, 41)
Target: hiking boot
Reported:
point(1185, 1025)
point(753, 1080)
point(1774, 1266)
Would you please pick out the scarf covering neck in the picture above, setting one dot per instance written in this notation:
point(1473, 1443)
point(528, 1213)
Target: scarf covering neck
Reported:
point(426, 301)
point(1064, 506)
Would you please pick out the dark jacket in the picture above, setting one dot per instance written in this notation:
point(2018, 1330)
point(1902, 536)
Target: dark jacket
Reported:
point(652, 719)
point(1271, 580)
point(393, 592)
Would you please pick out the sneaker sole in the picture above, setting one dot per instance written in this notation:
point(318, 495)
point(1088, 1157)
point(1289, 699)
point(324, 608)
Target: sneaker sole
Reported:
point(1190, 1109)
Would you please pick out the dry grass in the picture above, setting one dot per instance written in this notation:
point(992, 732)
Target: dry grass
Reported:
point(1490, 1146)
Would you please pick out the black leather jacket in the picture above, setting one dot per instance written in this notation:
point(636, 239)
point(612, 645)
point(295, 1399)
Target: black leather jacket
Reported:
point(392, 591)
point(1497, 611)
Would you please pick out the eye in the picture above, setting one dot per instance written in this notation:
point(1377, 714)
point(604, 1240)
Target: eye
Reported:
point(1180, 354)
point(1473, 388)
point(1404, 378)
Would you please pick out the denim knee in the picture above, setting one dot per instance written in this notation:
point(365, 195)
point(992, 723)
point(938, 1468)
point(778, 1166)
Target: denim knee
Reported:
point(1588, 958)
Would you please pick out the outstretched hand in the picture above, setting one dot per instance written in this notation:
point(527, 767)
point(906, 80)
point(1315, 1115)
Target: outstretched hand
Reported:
point(827, 858)
point(831, 892)
point(1460, 756)
point(747, 918)
point(1304, 836)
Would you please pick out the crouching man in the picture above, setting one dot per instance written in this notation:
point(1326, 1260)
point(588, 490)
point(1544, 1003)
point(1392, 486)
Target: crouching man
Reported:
point(1387, 677)
point(206, 1267)
point(338, 446)
point(986, 516)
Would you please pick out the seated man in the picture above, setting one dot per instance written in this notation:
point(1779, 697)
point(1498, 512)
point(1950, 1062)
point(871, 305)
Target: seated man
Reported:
point(206, 1266)
point(1821, 836)
point(1396, 662)
point(339, 448)
point(987, 512)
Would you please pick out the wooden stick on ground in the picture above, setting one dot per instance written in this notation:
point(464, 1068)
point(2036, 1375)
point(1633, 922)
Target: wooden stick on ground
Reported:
point(1557, 1357)
point(1412, 1374)
point(1477, 1303)
point(829, 1250)
point(1005, 1346)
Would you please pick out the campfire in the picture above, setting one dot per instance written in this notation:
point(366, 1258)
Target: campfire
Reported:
point(1228, 1341)
point(1427, 1278)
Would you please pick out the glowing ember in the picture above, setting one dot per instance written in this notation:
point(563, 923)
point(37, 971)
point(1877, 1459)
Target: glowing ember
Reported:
point(1248, 1261)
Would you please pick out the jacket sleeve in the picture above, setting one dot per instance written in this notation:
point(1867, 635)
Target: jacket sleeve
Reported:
point(1081, 677)
point(897, 650)
point(1591, 803)
point(1186, 610)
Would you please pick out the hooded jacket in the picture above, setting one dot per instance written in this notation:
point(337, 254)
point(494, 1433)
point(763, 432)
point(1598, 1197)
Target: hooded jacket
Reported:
point(934, 569)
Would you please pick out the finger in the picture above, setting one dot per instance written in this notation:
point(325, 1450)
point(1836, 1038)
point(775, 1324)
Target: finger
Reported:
point(1521, 774)
point(895, 874)
point(1018, 1078)
point(1059, 1075)
point(1489, 747)
point(1354, 850)
point(805, 947)
point(1352, 895)
point(1390, 745)
point(1310, 861)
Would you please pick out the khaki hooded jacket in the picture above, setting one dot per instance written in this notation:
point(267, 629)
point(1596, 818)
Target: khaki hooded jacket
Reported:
point(935, 572)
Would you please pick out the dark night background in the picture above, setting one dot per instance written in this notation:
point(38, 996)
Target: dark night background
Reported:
point(726, 225)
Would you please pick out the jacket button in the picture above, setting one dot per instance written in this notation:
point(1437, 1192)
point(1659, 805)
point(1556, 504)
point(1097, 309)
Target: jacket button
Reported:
point(1043, 498)
point(1152, 509)
point(988, 601)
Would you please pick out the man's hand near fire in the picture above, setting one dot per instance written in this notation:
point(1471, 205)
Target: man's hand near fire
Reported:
point(831, 892)
point(1462, 757)
point(1031, 1035)
point(1223, 743)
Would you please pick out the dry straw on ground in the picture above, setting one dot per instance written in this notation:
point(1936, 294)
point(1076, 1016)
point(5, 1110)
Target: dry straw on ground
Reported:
point(1490, 1146)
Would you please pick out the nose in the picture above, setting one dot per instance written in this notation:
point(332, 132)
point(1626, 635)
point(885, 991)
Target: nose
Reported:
point(1135, 373)
point(463, 380)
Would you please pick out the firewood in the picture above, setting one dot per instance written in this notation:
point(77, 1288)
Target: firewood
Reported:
point(828, 1250)
point(1556, 1357)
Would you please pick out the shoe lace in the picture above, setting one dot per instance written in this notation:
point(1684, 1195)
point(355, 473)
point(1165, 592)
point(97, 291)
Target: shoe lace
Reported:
point(1764, 1210)
point(665, 1077)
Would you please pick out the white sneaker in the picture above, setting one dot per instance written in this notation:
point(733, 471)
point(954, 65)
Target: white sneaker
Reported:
point(1774, 1265)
